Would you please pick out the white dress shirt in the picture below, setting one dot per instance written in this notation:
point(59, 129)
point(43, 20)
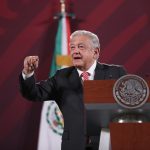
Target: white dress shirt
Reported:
point(91, 71)
point(27, 76)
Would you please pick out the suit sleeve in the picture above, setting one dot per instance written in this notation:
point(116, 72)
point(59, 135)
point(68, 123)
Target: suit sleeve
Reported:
point(41, 91)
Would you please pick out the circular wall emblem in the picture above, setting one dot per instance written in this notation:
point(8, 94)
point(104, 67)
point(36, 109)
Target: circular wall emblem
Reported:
point(131, 91)
point(54, 118)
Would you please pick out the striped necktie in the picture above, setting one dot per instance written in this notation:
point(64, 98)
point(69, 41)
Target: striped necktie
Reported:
point(85, 75)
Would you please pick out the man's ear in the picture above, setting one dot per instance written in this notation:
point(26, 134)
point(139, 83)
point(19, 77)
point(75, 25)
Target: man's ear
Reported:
point(96, 53)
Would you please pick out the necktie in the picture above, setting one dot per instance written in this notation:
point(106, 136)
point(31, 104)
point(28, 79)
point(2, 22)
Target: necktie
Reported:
point(85, 75)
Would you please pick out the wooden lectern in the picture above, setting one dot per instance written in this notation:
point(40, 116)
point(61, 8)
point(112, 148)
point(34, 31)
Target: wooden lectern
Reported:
point(102, 110)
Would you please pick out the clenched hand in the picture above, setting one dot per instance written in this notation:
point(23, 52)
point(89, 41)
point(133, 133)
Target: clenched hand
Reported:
point(30, 64)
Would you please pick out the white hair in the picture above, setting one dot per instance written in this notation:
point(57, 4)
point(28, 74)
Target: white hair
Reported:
point(93, 37)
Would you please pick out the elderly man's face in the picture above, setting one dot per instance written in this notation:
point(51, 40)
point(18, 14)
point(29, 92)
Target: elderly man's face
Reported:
point(82, 53)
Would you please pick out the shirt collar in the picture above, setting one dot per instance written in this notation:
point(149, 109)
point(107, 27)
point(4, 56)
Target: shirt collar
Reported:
point(91, 70)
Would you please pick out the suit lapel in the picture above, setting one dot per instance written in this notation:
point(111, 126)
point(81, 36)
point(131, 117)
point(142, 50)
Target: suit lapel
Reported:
point(99, 72)
point(75, 80)
point(76, 84)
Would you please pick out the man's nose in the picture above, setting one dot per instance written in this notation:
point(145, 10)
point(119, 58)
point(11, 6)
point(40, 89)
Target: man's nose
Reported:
point(76, 50)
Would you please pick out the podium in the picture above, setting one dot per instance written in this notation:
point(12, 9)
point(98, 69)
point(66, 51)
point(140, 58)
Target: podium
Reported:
point(103, 112)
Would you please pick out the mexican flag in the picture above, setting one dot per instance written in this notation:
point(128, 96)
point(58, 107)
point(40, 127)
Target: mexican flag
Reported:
point(51, 125)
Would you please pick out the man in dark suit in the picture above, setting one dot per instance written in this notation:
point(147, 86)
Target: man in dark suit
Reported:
point(65, 87)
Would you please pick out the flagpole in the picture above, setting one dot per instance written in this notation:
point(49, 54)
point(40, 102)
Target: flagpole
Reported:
point(63, 6)
point(63, 12)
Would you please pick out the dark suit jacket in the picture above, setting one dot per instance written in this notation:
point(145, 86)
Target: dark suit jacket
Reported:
point(66, 89)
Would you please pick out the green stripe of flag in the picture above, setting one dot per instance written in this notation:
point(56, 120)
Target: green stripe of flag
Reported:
point(57, 51)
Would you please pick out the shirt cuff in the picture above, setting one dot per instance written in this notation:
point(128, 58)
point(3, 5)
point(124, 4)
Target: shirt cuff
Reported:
point(27, 76)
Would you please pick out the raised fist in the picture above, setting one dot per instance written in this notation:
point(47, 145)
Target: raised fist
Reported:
point(30, 64)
